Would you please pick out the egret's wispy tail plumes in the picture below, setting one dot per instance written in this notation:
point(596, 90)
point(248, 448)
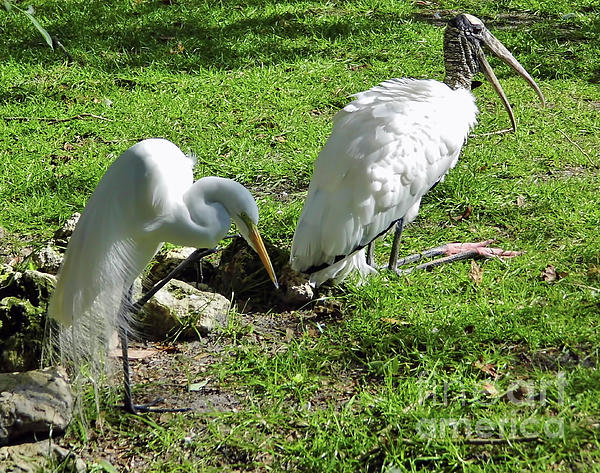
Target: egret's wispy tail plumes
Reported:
point(146, 197)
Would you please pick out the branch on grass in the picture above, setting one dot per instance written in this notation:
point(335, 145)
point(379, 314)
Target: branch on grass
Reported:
point(496, 440)
point(577, 146)
point(52, 120)
point(491, 133)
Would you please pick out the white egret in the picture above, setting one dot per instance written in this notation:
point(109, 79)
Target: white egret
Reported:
point(147, 196)
point(388, 147)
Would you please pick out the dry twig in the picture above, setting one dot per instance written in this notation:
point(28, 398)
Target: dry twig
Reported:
point(52, 120)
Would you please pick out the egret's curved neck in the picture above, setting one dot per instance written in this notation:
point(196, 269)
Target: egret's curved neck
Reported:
point(200, 219)
point(461, 64)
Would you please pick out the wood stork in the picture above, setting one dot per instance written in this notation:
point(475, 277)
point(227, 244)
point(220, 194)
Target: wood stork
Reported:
point(146, 197)
point(388, 147)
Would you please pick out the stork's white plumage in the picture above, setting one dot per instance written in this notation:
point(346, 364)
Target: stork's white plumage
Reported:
point(388, 147)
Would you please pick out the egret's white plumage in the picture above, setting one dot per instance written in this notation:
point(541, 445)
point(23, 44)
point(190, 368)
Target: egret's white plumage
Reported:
point(387, 149)
point(146, 197)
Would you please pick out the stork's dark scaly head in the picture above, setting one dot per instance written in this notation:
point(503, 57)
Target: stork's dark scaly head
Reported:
point(463, 53)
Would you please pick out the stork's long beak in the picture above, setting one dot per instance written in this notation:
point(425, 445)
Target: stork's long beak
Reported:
point(259, 247)
point(498, 49)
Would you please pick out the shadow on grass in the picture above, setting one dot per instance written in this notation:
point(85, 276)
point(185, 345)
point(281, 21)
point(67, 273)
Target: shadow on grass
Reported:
point(231, 35)
point(219, 36)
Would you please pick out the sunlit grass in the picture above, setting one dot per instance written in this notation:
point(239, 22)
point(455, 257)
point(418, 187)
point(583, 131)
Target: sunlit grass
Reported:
point(395, 382)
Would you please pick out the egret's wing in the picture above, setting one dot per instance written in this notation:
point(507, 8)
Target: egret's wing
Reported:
point(387, 149)
point(110, 247)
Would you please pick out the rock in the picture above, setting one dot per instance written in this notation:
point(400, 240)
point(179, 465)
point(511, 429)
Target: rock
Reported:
point(242, 272)
point(21, 334)
point(179, 310)
point(23, 301)
point(6, 273)
point(168, 261)
point(62, 235)
point(32, 285)
point(296, 286)
point(47, 259)
point(33, 457)
point(34, 402)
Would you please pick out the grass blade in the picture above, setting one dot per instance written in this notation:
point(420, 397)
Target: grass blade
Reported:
point(39, 27)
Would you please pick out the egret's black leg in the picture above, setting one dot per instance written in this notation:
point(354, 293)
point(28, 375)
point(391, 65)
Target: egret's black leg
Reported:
point(128, 400)
point(195, 256)
point(370, 253)
point(123, 336)
point(128, 306)
point(393, 264)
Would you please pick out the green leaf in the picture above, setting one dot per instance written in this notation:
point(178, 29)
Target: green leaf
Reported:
point(194, 387)
point(7, 5)
point(106, 466)
point(40, 28)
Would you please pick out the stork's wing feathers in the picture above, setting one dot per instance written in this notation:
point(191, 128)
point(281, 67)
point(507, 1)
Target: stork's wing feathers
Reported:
point(387, 149)
point(110, 247)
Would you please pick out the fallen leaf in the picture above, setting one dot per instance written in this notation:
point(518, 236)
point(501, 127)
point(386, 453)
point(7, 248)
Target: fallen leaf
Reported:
point(594, 271)
point(178, 49)
point(476, 272)
point(490, 389)
point(487, 368)
point(550, 274)
point(194, 387)
point(313, 332)
point(465, 215)
point(519, 394)
point(289, 334)
point(520, 201)
point(134, 353)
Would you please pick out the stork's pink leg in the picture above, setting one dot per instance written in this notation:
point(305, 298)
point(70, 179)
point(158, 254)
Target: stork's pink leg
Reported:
point(454, 252)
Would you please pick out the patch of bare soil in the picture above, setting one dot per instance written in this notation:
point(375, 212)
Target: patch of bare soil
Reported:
point(568, 172)
point(180, 375)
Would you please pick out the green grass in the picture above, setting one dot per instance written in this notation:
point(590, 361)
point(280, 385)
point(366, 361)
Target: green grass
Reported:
point(251, 87)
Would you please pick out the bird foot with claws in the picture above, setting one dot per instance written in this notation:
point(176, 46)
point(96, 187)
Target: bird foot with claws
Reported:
point(480, 249)
point(454, 252)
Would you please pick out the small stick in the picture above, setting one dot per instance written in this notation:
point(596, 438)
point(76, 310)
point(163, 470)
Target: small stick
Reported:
point(577, 146)
point(58, 120)
point(491, 133)
point(498, 441)
point(481, 440)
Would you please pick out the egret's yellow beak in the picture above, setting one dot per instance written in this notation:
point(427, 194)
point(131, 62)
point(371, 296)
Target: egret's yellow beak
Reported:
point(259, 247)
